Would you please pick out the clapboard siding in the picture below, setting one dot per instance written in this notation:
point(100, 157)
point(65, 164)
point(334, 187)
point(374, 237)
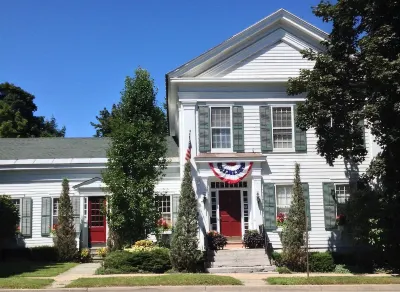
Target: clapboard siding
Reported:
point(44, 183)
point(277, 61)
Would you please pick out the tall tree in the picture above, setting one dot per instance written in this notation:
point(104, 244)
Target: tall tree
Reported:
point(17, 119)
point(184, 244)
point(103, 125)
point(293, 236)
point(356, 78)
point(136, 160)
point(64, 240)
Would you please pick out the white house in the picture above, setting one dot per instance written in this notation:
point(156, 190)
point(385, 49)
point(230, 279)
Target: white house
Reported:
point(233, 101)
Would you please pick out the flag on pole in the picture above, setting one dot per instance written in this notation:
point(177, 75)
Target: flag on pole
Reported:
point(189, 150)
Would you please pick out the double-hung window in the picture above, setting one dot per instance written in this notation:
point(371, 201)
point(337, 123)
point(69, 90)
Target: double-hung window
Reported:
point(55, 211)
point(282, 127)
point(342, 195)
point(283, 198)
point(221, 128)
point(164, 206)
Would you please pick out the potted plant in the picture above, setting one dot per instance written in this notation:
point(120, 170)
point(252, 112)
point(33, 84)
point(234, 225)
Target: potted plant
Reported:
point(253, 239)
point(281, 220)
point(215, 240)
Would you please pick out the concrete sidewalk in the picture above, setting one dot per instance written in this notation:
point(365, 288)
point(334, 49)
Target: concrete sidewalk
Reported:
point(79, 271)
point(330, 288)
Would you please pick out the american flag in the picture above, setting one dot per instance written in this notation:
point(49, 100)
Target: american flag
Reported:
point(189, 150)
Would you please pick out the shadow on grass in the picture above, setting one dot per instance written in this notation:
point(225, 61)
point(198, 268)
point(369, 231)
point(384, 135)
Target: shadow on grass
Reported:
point(32, 269)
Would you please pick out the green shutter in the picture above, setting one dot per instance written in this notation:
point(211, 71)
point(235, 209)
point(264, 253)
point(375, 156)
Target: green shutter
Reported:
point(175, 208)
point(46, 216)
point(26, 217)
point(306, 194)
point(300, 135)
point(76, 207)
point(266, 129)
point(238, 129)
point(269, 206)
point(329, 206)
point(204, 129)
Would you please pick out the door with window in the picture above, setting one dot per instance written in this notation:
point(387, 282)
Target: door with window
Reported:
point(97, 220)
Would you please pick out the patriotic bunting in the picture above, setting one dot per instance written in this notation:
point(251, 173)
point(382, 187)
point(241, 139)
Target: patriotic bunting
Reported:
point(231, 172)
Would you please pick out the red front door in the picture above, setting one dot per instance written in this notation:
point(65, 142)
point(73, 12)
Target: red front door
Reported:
point(97, 220)
point(230, 213)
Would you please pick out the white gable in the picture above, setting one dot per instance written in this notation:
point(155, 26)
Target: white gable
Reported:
point(277, 61)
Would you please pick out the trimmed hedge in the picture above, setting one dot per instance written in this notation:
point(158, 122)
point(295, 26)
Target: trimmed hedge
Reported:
point(321, 262)
point(153, 261)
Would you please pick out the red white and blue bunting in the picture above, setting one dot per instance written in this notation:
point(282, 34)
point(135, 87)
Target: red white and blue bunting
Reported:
point(231, 172)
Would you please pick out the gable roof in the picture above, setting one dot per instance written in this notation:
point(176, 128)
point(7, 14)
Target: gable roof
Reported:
point(52, 148)
point(240, 40)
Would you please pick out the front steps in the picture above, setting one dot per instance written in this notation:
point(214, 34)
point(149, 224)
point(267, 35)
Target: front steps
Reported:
point(95, 256)
point(239, 260)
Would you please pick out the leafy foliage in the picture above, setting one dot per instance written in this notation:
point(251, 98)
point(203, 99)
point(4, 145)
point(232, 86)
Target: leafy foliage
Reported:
point(253, 239)
point(17, 119)
point(216, 241)
point(9, 218)
point(293, 254)
point(321, 262)
point(136, 161)
point(44, 254)
point(153, 261)
point(64, 240)
point(103, 126)
point(356, 78)
point(85, 256)
point(184, 253)
point(283, 270)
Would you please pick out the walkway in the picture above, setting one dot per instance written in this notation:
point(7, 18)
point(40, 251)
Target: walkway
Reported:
point(80, 271)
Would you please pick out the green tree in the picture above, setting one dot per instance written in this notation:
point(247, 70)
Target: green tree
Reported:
point(64, 240)
point(184, 244)
point(356, 78)
point(17, 119)
point(9, 218)
point(293, 253)
point(103, 125)
point(136, 161)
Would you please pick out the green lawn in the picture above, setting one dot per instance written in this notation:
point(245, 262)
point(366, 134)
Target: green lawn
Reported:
point(17, 283)
point(33, 269)
point(332, 280)
point(166, 280)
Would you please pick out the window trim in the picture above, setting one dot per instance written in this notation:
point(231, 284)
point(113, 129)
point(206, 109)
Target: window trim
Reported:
point(170, 207)
point(52, 210)
point(276, 194)
point(19, 210)
point(221, 150)
point(336, 198)
point(292, 149)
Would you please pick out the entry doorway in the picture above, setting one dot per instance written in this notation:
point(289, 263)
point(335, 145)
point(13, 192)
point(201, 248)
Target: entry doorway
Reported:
point(96, 221)
point(230, 213)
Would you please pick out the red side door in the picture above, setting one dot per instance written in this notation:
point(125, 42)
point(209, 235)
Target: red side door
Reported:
point(230, 213)
point(97, 220)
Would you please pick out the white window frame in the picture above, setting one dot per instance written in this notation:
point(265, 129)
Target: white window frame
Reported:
point(19, 210)
point(276, 195)
point(336, 196)
point(160, 197)
point(292, 149)
point(52, 210)
point(221, 150)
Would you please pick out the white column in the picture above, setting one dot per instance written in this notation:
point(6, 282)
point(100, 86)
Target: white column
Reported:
point(256, 215)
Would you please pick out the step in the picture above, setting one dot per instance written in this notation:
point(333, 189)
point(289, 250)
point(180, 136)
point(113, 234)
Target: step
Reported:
point(232, 270)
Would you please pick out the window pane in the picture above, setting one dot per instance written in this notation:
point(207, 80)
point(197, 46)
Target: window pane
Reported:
point(55, 207)
point(283, 198)
point(342, 193)
point(282, 138)
point(221, 138)
point(282, 117)
point(221, 117)
point(164, 206)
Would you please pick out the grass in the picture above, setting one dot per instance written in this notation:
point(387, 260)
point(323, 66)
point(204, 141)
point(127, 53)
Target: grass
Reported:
point(33, 269)
point(16, 283)
point(166, 280)
point(332, 280)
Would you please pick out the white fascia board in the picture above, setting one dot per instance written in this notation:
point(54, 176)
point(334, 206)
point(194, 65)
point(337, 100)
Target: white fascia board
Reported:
point(228, 80)
point(230, 159)
point(262, 97)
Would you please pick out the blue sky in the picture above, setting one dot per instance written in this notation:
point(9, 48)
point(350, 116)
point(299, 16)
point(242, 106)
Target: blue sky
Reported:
point(74, 55)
